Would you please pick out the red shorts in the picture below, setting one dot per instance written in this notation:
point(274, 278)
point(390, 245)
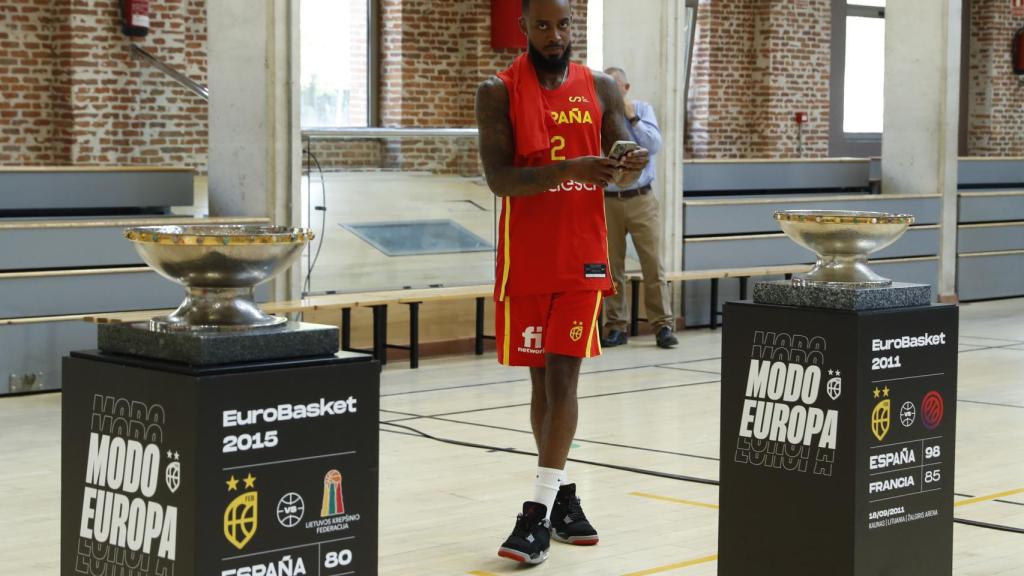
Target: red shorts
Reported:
point(528, 327)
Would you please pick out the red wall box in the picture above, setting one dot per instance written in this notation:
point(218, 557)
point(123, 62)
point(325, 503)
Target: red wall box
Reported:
point(505, 31)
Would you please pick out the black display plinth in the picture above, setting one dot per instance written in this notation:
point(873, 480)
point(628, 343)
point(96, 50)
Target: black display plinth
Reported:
point(837, 440)
point(262, 468)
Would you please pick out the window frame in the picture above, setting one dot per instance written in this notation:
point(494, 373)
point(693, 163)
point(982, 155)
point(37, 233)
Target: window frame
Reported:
point(373, 19)
point(841, 143)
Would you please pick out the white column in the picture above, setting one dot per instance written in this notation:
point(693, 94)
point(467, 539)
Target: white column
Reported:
point(647, 39)
point(255, 143)
point(922, 95)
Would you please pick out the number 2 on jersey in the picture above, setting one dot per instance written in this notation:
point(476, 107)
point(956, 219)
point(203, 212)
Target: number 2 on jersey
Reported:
point(557, 145)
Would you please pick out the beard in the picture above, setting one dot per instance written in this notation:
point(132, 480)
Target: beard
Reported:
point(550, 65)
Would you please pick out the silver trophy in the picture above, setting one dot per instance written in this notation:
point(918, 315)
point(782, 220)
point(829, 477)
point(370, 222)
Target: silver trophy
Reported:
point(842, 240)
point(220, 267)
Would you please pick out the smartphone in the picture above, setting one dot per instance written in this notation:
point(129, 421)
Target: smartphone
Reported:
point(620, 148)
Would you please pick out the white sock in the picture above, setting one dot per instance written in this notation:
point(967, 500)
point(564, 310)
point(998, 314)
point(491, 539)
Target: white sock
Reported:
point(545, 487)
point(563, 478)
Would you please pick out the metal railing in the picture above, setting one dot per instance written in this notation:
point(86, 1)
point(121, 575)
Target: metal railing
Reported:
point(140, 53)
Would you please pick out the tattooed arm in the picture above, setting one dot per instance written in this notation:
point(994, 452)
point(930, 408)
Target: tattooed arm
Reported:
point(497, 150)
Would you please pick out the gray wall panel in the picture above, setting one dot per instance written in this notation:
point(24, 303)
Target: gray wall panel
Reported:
point(710, 220)
point(53, 248)
point(38, 348)
point(985, 172)
point(92, 189)
point(778, 250)
point(981, 277)
point(990, 239)
point(991, 208)
point(787, 175)
point(76, 294)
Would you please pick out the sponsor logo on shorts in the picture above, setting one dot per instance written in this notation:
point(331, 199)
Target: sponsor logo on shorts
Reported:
point(533, 340)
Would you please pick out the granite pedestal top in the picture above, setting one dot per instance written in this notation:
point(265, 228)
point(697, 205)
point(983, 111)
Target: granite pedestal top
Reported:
point(291, 340)
point(898, 295)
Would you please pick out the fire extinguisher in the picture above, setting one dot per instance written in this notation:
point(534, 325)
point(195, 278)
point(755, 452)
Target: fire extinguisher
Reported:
point(1018, 53)
point(135, 17)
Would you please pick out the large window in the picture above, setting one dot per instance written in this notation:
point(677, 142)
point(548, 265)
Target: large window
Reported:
point(335, 37)
point(858, 75)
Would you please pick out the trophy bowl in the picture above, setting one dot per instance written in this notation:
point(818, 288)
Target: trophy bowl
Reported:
point(842, 240)
point(220, 267)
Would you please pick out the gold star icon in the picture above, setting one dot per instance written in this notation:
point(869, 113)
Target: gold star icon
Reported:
point(250, 481)
point(876, 392)
point(232, 484)
point(885, 391)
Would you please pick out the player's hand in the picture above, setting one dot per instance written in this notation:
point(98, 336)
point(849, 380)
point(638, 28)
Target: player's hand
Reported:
point(635, 160)
point(631, 165)
point(596, 170)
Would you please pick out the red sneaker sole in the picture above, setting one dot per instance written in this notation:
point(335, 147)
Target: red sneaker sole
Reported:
point(512, 555)
point(520, 557)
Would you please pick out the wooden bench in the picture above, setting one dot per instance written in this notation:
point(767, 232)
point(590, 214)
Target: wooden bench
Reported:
point(743, 274)
point(377, 301)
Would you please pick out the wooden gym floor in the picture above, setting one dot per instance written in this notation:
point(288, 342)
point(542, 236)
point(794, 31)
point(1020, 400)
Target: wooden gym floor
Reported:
point(646, 415)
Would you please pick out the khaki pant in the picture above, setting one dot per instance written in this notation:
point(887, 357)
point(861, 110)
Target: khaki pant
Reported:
point(639, 217)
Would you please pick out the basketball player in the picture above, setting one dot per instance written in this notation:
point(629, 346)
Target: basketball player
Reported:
point(544, 123)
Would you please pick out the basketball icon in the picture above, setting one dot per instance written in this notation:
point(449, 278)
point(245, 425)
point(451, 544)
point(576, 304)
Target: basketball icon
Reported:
point(290, 509)
point(908, 413)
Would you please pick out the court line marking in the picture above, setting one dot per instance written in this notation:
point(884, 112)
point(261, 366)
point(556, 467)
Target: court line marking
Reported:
point(482, 573)
point(675, 566)
point(675, 500)
point(977, 499)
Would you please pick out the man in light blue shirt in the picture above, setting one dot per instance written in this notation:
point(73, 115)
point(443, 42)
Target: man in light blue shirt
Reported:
point(635, 211)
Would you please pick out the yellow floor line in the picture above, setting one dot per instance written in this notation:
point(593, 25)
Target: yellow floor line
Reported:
point(676, 566)
point(482, 573)
point(675, 500)
point(989, 497)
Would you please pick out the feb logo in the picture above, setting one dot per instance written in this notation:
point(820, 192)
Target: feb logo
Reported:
point(932, 410)
point(240, 517)
point(576, 332)
point(881, 416)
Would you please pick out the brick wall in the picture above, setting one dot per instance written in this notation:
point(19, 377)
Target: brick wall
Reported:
point(996, 99)
point(754, 64)
point(34, 82)
point(73, 95)
point(125, 112)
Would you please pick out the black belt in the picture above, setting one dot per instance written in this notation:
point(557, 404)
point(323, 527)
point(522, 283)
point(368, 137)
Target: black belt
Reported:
point(628, 193)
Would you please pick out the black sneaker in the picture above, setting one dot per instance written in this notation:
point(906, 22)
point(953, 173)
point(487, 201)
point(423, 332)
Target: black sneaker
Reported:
point(530, 539)
point(568, 522)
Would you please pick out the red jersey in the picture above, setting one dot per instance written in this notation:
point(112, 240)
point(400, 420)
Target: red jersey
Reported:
point(556, 241)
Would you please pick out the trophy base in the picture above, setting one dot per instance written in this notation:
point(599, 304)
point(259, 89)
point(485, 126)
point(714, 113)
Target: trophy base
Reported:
point(210, 348)
point(217, 310)
point(841, 272)
point(842, 296)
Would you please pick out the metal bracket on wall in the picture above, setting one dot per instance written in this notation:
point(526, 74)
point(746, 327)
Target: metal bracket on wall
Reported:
point(25, 382)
